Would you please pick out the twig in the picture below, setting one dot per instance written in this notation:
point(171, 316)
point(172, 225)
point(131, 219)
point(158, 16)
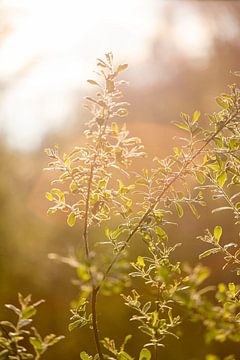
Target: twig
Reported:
point(165, 189)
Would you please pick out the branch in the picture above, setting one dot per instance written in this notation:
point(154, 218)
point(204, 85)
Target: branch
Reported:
point(165, 189)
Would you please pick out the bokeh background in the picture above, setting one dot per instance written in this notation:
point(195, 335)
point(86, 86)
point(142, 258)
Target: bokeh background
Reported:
point(180, 55)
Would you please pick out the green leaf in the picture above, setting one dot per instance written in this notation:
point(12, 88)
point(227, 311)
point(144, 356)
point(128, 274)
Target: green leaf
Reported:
point(161, 233)
point(75, 324)
point(146, 330)
point(85, 356)
point(212, 357)
point(73, 186)
point(28, 312)
point(200, 177)
point(53, 339)
point(196, 116)
point(232, 289)
point(222, 208)
point(71, 220)
point(24, 322)
point(127, 338)
point(59, 193)
point(51, 210)
point(67, 162)
point(136, 274)
point(222, 103)
point(222, 288)
point(37, 344)
point(209, 252)
point(49, 196)
point(155, 316)
point(182, 126)
point(140, 261)
point(194, 210)
point(222, 178)
point(4, 353)
point(145, 354)
point(179, 209)
point(107, 233)
point(8, 323)
point(146, 307)
point(217, 233)
point(124, 356)
point(83, 273)
point(13, 308)
point(114, 127)
point(115, 234)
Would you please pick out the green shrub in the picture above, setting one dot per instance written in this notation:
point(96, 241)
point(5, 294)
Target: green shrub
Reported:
point(17, 341)
point(99, 185)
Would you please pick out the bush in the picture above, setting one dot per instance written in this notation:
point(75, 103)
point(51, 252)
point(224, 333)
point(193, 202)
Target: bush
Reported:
point(99, 185)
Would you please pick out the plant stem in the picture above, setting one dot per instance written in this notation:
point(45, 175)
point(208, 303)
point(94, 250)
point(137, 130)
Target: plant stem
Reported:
point(235, 259)
point(228, 200)
point(165, 189)
point(94, 320)
point(85, 229)
point(86, 244)
point(157, 308)
point(94, 289)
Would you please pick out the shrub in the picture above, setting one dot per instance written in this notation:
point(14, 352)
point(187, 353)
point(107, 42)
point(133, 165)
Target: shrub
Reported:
point(16, 338)
point(99, 185)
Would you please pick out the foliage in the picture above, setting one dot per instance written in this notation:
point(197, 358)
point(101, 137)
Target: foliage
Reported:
point(98, 184)
point(17, 341)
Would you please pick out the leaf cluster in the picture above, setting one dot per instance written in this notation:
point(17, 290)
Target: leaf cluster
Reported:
point(98, 182)
point(14, 335)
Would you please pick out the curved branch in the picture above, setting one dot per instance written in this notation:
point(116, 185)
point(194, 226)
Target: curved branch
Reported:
point(164, 190)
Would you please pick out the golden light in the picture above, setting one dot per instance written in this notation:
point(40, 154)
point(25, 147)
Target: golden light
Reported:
point(53, 47)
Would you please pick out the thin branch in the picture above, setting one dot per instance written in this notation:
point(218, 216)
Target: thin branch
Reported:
point(234, 258)
point(86, 242)
point(164, 190)
point(228, 200)
point(94, 321)
point(157, 309)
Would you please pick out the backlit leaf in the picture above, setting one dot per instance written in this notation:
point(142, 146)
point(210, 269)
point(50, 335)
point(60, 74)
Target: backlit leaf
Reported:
point(217, 233)
point(195, 116)
point(232, 289)
point(71, 220)
point(179, 209)
point(122, 67)
point(140, 261)
point(222, 178)
point(209, 252)
point(145, 354)
point(93, 82)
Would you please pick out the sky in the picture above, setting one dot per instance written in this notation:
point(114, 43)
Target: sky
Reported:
point(51, 52)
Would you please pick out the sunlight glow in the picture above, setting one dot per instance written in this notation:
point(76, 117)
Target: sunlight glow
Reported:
point(52, 51)
point(191, 35)
point(57, 42)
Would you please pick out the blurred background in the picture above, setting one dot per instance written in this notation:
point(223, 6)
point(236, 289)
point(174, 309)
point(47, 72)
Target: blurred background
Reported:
point(180, 56)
